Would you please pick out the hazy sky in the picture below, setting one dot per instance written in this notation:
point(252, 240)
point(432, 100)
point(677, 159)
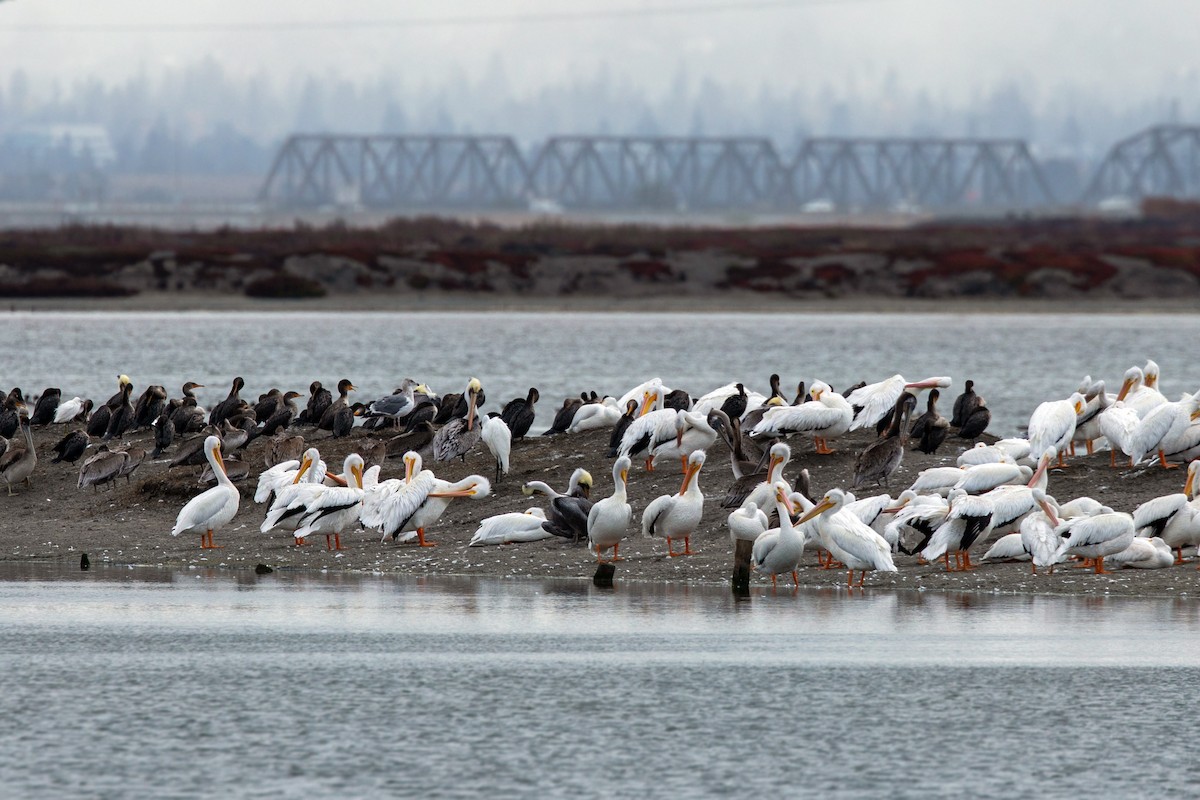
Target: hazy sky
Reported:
point(1124, 50)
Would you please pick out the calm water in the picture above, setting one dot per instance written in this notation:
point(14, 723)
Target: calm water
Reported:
point(1016, 360)
point(157, 684)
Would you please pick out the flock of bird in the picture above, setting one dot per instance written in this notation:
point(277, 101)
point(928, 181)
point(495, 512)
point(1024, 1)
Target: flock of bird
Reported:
point(996, 492)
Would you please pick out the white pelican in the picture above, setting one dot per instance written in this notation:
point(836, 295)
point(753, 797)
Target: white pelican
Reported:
point(848, 539)
point(1081, 507)
point(608, 521)
point(826, 416)
point(334, 508)
point(513, 527)
point(593, 416)
point(877, 399)
point(746, 523)
point(1010, 504)
point(1008, 547)
point(937, 480)
point(778, 551)
point(1038, 535)
point(650, 429)
point(1052, 424)
point(968, 520)
point(1117, 423)
point(984, 454)
point(1175, 518)
point(1087, 425)
point(1187, 446)
point(271, 480)
point(649, 394)
point(985, 477)
point(406, 513)
point(915, 514)
point(456, 438)
point(1152, 553)
point(1096, 536)
point(693, 433)
point(210, 510)
point(877, 511)
point(498, 438)
point(379, 496)
point(1161, 427)
point(1016, 449)
point(287, 509)
point(1137, 394)
point(676, 516)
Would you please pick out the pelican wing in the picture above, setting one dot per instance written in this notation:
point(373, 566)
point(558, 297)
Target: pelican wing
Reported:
point(659, 508)
point(862, 543)
point(512, 527)
point(211, 508)
point(270, 480)
point(807, 417)
point(875, 400)
point(1007, 548)
point(402, 504)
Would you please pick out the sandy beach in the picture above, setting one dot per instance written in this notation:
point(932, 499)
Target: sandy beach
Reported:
point(130, 523)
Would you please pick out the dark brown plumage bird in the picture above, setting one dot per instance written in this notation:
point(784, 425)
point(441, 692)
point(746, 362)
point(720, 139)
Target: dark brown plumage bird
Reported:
point(880, 459)
point(319, 401)
point(229, 405)
point(47, 404)
point(518, 413)
point(930, 429)
point(963, 404)
point(618, 431)
point(735, 405)
point(149, 406)
point(121, 418)
point(70, 447)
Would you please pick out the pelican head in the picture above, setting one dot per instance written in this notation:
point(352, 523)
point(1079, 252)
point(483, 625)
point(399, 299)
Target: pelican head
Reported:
point(621, 470)
point(310, 457)
point(412, 465)
point(1049, 507)
point(649, 399)
point(352, 467)
point(780, 455)
point(695, 463)
point(818, 388)
point(783, 498)
point(1189, 486)
point(1078, 403)
point(1132, 380)
point(1150, 371)
point(833, 500)
point(906, 497)
point(212, 446)
point(122, 381)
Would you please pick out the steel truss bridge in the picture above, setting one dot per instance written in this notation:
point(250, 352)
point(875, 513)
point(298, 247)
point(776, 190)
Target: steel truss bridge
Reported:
point(709, 174)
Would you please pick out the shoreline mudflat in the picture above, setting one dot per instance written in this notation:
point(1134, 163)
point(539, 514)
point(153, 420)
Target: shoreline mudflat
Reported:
point(130, 524)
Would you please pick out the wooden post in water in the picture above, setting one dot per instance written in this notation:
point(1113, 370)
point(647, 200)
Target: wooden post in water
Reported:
point(741, 567)
point(604, 575)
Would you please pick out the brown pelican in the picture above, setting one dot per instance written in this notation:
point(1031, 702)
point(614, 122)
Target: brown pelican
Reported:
point(455, 405)
point(47, 405)
point(191, 451)
point(122, 380)
point(235, 468)
point(121, 418)
point(518, 413)
point(70, 447)
point(17, 463)
point(104, 466)
point(227, 406)
point(930, 428)
point(459, 435)
point(338, 418)
point(881, 458)
point(282, 447)
point(134, 456)
point(212, 509)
